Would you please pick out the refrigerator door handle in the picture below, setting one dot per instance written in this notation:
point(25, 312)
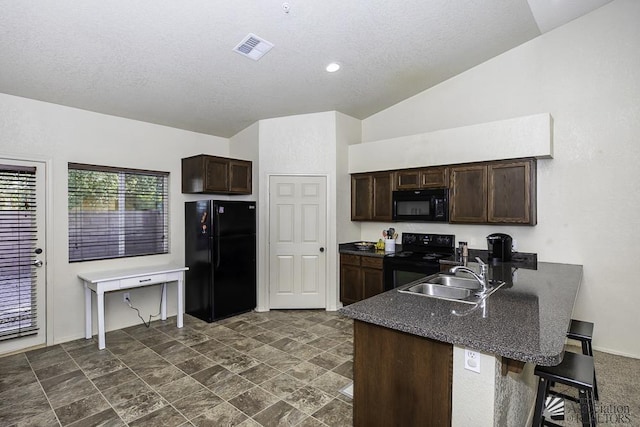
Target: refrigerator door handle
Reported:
point(217, 253)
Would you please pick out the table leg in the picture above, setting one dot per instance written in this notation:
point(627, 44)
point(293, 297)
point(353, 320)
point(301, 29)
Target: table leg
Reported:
point(100, 305)
point(163, 305)
point(180, 302)
point(87, 312)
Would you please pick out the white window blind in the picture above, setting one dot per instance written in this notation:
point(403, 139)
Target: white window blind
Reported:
point(18, 241)
point(115, 212)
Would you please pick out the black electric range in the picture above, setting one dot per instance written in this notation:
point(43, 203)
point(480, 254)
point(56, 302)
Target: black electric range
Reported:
point(420, 257)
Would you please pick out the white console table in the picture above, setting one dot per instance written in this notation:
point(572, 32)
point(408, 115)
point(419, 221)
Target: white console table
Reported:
point(118, 280)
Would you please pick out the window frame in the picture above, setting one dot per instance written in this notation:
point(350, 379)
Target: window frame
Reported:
point(82, 248)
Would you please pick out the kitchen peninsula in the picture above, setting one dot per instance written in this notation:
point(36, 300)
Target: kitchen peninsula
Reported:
point(409, 351)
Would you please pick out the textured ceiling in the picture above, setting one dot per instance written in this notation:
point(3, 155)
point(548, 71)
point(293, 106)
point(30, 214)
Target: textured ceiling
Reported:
point(171, 62)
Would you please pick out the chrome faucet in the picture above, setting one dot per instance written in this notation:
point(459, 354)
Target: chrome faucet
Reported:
point(480, 277)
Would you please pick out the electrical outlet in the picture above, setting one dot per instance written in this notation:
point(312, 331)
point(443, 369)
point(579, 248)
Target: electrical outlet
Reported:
point(471, 360)
point(126, 298)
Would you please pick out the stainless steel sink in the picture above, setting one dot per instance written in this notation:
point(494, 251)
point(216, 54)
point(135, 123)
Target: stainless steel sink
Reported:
point(439, 291)
point(451, 288)
point(455, 281)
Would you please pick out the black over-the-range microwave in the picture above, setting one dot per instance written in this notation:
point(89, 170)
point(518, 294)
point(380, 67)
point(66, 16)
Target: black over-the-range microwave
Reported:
point(421, 205)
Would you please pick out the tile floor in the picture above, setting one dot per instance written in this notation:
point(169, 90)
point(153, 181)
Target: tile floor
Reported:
point(280, 368)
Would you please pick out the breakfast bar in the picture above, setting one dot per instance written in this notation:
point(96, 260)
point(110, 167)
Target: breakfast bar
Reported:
point(422, 341)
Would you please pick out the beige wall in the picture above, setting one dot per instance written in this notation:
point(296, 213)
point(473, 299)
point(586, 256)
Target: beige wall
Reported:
point(585, 74)
point(37, 130)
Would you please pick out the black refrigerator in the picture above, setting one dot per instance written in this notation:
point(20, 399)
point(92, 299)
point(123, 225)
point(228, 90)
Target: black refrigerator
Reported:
point(220, 251)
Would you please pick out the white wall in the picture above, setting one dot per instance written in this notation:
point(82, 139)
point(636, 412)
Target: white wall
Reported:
point(348, 133)
point(585, 74)
point(298, 145)
point(32, 129)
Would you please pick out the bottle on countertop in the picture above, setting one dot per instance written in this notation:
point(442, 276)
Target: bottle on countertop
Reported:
point(463, 252)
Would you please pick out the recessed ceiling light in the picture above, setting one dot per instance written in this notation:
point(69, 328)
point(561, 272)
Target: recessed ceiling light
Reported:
point(333, 67)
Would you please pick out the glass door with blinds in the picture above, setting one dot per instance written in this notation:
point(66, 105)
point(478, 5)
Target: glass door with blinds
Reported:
point(22, 255)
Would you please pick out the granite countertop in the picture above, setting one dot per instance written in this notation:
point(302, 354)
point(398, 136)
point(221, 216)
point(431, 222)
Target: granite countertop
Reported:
point(526, 319)
point(349, 248)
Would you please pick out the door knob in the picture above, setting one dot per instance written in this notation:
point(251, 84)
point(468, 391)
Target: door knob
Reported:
point(321, 249)
point(37, 263)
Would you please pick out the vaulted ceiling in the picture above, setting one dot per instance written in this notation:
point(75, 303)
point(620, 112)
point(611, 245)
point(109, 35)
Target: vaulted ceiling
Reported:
point(172, 62)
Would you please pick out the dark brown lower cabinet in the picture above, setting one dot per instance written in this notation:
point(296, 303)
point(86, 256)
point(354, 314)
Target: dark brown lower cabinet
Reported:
point(400, 379)
point(360, 277)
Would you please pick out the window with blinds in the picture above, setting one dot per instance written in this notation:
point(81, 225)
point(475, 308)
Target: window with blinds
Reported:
point(18, 309)
point(115, 213)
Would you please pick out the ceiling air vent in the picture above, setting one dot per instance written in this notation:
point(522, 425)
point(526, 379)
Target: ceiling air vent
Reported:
point(253, 47)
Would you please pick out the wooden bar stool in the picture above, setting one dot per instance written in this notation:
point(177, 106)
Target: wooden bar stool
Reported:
point(583, 332)
point(575, 370)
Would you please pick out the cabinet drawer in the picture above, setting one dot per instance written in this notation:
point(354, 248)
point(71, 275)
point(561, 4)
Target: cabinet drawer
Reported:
point(135, 282)
point(371, 262)
point(350, 259)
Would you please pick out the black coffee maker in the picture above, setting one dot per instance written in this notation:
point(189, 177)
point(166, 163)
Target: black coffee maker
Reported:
point(500, 247)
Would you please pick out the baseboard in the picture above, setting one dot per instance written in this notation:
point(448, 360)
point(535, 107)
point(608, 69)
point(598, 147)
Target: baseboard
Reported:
point(617, 353)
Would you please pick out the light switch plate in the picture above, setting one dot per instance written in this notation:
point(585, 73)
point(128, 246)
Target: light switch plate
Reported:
point(471, 360)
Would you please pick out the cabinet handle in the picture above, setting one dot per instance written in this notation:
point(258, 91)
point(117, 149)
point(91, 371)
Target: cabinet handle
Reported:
point(144, 280)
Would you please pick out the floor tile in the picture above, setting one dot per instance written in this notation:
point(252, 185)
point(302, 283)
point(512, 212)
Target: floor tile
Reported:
point(139, 406)
point(282, 385)
point(308, 399)
point(306, 371)
point(46, 418)
point(279, 414)
point(82, 408)
point(224, 414)
point(175, 390)
point(166, 416)
point(327, 360)
point(67, 388)
point(197, 403)
point(259, 373)
point(335, 414)
point(126, 391)
point(330, 382)
point(113, 379)
point(195, 364)
point(253, 401)
point(47, 356)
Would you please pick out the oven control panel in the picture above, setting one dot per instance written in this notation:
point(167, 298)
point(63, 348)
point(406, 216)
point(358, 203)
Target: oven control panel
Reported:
point(420, 240)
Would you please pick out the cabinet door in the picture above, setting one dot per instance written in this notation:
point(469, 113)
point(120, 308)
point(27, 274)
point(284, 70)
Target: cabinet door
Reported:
point(468, 194)
point(361, 197)
point(511, 191)
point(350, 283)
point(372, 276)
point(408, 179)
point(216, 177)
point(372, 282)
point(434, 178)
point(240, 176)
point(382, 193)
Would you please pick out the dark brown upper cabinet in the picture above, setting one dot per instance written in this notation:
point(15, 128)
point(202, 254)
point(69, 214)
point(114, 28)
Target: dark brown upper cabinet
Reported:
point(371, 196)
point(215, 175)
point(468, 194)
point(496, 193)
point(512, 192)
point(415, 179)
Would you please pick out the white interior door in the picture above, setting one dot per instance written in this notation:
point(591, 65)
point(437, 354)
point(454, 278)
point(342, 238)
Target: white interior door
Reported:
point(22, 255)
point(297, 239)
